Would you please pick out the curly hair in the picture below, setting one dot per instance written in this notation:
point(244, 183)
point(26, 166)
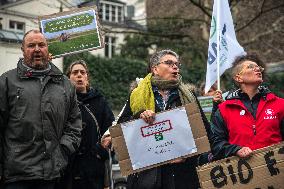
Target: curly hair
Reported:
point(237, 64)
point(240, 59)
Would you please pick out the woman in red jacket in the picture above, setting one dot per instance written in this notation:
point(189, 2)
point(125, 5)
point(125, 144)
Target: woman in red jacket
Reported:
point(252, 117)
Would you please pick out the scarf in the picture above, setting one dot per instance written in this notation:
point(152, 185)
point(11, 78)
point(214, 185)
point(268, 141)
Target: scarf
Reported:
point(31, 72)
point(142, 97)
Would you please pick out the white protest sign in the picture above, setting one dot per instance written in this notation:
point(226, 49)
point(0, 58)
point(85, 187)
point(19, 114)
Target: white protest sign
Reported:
point(169, 137)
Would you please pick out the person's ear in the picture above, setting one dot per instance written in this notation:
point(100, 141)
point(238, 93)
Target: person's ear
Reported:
point(154, 70)
point(22, 48)
point(238, 78)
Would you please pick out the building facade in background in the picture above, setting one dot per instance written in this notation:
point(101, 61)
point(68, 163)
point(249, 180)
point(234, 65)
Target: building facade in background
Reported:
point(19, 16)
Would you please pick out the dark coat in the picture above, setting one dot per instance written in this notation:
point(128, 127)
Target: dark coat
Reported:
point(87, 166)
point(89, 161)
point(169, 176)
point(40, 124)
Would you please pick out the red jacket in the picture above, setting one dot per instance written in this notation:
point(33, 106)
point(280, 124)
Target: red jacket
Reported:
point(244, 130)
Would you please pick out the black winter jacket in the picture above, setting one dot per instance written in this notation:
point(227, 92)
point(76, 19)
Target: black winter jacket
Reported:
point(169, 176)
point(90, 158)
point(40, 124)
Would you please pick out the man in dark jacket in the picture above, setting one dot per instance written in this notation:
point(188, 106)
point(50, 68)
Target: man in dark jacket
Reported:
point(40, 121)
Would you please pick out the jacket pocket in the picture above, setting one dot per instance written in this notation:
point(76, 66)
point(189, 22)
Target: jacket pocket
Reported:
point(60, 159)
point(21, 133)
point(15, 162)
point(19, 107)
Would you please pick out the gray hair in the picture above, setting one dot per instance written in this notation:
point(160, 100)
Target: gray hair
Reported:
point(156, 57)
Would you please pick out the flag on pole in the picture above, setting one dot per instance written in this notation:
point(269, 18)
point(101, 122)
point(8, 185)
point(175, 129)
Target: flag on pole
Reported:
point(222, 27)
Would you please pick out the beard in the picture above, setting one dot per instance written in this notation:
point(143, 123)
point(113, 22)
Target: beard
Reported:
point(37, 65)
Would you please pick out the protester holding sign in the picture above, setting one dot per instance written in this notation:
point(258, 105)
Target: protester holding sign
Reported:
point(162, 89)
point(86, 169)
point(252, 117)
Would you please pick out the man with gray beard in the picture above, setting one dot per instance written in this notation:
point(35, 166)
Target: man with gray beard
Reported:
point(40, 122)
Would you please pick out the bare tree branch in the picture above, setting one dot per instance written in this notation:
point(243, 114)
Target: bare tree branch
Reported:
point(273, 29)
point(261, 13)
point(232, 4)
point(169, 18)
point(145, 33)
point(201, 7)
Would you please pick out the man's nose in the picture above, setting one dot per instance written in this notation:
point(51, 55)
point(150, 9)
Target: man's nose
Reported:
point(37, 48)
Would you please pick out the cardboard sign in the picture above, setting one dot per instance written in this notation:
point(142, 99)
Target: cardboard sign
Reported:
point(264, 170)
point(197, 128)
point(71, 31)
point(169, 137)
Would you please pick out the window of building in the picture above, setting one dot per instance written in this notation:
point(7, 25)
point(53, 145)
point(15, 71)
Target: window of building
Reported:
point(101, 11)
point(113, 13)
point(17, 26)
point(110, 12)
point(109, 46)
point(119, 14)
point(1, 27)
point(106, 12)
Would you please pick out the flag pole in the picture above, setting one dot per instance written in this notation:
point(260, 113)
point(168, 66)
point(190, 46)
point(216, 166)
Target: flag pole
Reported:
point(218, 44)
point(221, 51)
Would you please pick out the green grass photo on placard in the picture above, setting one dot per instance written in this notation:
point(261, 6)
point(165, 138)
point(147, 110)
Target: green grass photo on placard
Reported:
point(76, 42)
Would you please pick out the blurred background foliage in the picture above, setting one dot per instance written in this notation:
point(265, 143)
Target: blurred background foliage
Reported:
point(111, 76)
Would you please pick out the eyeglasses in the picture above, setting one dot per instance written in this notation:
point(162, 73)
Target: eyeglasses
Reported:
point(252, 67)
point(171, 63)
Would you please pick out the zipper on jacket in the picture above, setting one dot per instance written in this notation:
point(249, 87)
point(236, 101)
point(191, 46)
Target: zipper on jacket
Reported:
point(18, 93)
point(254, 130)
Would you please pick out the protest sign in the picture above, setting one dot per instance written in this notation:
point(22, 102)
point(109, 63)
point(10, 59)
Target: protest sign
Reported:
point(175, 133)
point(161, 141)
point(206, 103)
point(264, 170)
point(71, 31)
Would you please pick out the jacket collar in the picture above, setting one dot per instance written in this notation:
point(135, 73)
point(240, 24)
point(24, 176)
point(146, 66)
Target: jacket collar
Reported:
point(91, 93)
point(237, 94)
point(26, 72)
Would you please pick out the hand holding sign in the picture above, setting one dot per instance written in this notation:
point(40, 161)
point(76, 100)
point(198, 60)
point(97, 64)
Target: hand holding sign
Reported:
point(148, 116)
point(244, 152)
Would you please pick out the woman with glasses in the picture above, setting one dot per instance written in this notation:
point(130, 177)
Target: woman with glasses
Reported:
point(86, 169)
point(162, 89)
point(252, 117)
